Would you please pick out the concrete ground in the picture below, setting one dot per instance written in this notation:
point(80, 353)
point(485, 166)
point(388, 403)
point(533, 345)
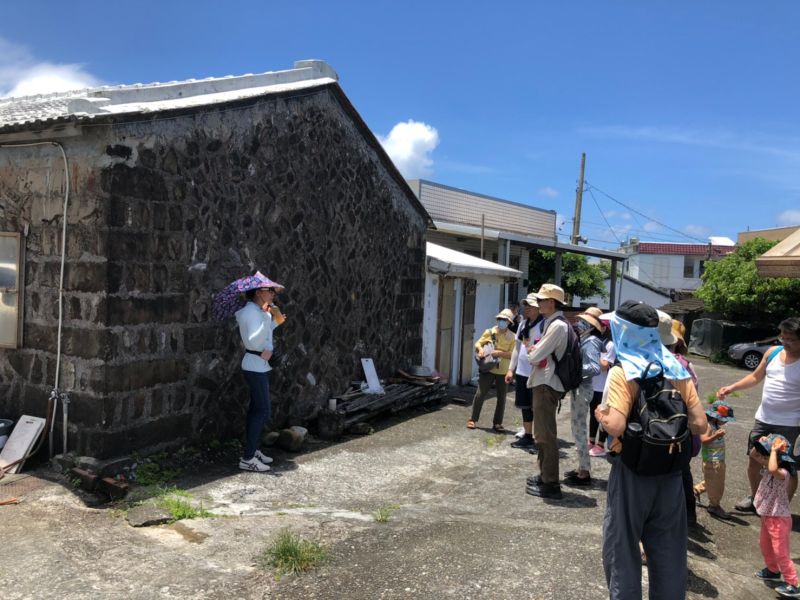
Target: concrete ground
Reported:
point(460, 524)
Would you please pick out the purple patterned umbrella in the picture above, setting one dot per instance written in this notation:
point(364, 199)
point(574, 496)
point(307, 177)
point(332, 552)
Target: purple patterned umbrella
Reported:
point(231, 298)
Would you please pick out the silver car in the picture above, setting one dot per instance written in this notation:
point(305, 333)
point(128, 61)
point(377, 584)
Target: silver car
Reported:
point(750, 354)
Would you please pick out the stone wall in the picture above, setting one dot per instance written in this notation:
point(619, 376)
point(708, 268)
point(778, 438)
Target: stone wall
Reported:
point(168, 211)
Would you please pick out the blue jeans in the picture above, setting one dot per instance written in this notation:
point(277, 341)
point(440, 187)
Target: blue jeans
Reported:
point(259, 411)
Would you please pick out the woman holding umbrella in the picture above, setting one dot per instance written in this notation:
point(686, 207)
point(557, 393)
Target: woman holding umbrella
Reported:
point(257, 317)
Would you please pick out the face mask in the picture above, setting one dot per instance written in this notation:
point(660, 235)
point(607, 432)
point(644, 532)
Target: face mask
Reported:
point(502, 324)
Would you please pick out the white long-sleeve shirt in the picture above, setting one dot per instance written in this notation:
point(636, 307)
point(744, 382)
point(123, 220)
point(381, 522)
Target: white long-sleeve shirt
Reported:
point(255, 327)
point(554, 341)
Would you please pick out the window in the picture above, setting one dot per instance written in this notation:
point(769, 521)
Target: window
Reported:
point(10, 253)
point(688, 267)
point(702, 267)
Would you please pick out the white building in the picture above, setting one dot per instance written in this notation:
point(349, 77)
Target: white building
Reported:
point(672, 266)
point(461, 300)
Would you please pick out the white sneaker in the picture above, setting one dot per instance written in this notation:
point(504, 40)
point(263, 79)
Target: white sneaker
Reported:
point(520, 433)
point(263, 457)
point(253, 465)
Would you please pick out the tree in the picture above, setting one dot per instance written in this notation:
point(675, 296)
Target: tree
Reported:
point(578, 277)
point(732, 287)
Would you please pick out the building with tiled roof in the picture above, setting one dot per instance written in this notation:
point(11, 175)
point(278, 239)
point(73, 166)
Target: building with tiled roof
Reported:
point(672, 266)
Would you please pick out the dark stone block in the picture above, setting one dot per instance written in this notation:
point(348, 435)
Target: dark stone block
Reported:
point(135, 182)
point(85, 342)
point(119, 150)
point(145, 374)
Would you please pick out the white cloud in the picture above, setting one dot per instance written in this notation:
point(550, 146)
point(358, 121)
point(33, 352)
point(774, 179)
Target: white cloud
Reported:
point(696, 230)
point(651, 226)
point(22, 75)
point(789, 218)
point(724, 140)
point(548, 192)
point(410, 145)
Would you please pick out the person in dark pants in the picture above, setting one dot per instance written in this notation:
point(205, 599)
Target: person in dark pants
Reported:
point(257, 320)
point(643, 507)
point(528, 334)
point(498, 342)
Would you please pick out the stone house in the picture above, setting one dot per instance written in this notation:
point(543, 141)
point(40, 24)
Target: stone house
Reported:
point(170, 191)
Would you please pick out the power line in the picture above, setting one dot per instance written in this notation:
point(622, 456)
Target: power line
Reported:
point(597, 204)
point(630, 208)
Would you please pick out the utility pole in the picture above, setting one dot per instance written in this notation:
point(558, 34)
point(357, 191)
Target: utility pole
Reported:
point(576, 222)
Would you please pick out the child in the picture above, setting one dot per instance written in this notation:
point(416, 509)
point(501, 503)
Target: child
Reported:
point(772, 503)
point(713, 441)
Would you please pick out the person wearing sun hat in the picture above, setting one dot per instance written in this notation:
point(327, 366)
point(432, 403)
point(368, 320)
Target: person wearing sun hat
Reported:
point(591, 332)
point(499, 341)
point(257, 319)
point(713, 442)
point(547, 390)
point(641, 507)
point(773, 453)
point(528, 334)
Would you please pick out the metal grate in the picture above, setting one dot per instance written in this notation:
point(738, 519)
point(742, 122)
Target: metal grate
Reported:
point(17, 486)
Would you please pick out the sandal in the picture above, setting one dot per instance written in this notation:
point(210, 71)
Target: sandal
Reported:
point(498, 427)
point(470, 424)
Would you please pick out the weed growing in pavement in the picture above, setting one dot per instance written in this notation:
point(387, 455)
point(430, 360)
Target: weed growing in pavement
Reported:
point(289, 553)
point(492, 441)
point(384, 513)
point(181, 508)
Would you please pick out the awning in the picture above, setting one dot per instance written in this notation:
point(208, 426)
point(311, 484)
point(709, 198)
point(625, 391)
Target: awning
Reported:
point(445, 261)
point(782, 260)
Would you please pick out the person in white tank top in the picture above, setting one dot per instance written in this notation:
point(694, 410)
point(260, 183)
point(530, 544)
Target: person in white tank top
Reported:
point(779, 411)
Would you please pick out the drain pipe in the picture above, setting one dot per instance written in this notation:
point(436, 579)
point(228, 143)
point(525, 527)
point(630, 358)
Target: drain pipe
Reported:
point(55, 395)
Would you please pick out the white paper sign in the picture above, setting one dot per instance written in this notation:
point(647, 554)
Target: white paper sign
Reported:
point(373, 383)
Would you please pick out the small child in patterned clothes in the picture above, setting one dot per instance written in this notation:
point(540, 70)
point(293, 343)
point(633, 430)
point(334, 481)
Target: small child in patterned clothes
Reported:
point(772, 503)
point(718, 414)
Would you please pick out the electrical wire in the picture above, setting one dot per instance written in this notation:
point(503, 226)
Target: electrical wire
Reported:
point(597, 204)
point(630, 208)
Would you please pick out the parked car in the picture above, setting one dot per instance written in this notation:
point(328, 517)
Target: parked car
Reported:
point(750, 354)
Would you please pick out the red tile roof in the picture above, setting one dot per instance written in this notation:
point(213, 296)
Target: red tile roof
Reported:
point(684, 249)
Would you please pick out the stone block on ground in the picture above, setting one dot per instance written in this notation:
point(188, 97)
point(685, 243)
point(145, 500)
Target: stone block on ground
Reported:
point(291, 440)
point(115, 466)
point(112, 488)
point(88, 463)
point(330, 424)
point(88, 480)
point(270, 438)
point(146, 515)
point(361, 429)
point(61, 463)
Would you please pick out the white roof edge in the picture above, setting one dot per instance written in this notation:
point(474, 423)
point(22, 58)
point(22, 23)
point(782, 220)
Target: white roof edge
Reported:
point(122, 99)
point(451, 261)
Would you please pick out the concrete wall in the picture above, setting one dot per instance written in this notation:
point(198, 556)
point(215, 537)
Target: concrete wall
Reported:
point(664, 270)
point(166, 212)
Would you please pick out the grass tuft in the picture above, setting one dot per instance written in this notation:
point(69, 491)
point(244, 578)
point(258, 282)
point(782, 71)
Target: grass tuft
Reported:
point(384, 513)
point(289, 553)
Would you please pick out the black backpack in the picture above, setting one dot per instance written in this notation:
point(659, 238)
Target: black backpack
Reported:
point(657, 440)
point(569, 369)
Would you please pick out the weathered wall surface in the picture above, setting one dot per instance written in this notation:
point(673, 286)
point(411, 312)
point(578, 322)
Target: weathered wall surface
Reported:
point(169, 211)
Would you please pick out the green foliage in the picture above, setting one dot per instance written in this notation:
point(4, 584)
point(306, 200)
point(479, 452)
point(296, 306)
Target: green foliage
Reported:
point(152, 473)
point(384, 513)
point(181, 508)
point(732, 287)
point(289, 553)
point(578, 277)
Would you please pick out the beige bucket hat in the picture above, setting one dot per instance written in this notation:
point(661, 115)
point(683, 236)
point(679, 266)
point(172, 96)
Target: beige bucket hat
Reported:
point(530, 300)
point(506, 314)
point(549, 291)
point(592, 316)
point(665, 329)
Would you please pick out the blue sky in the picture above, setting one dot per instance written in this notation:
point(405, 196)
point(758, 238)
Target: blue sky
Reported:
point(688, 111)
